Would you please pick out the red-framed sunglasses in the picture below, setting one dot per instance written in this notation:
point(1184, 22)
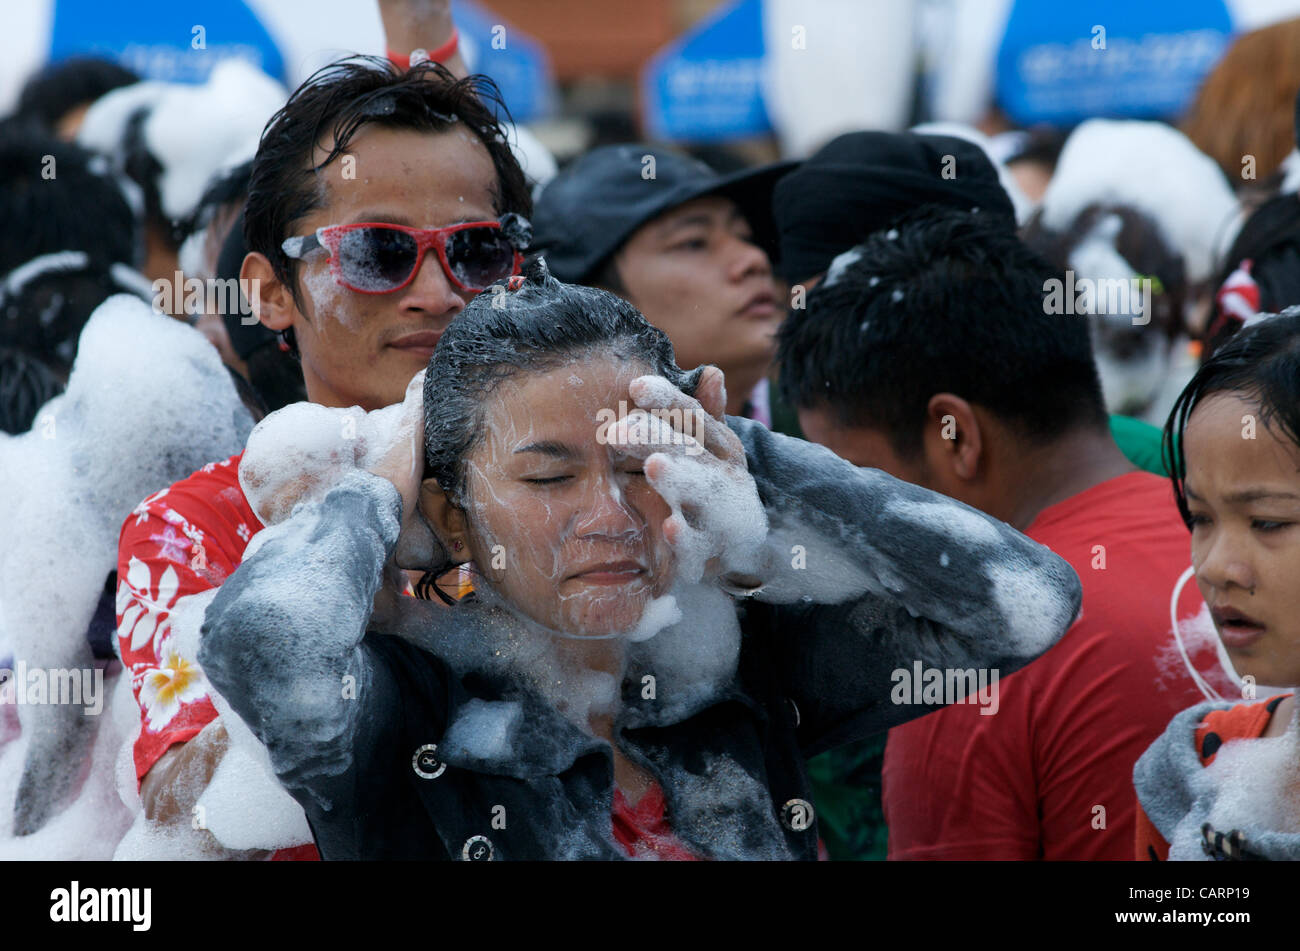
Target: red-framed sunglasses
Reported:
point(379, 258)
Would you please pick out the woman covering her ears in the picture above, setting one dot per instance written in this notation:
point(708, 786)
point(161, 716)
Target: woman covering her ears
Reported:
point(672, 610)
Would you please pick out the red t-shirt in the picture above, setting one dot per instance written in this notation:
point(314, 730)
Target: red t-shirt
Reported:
point(181, 541)
point(1050, 775)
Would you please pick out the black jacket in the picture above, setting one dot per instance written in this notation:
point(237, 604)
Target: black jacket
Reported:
point(434, 740)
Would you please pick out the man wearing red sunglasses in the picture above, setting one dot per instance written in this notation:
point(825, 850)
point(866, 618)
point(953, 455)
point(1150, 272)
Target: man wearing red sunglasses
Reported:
point(374, 257)
point(380, 202)
point(341, 232)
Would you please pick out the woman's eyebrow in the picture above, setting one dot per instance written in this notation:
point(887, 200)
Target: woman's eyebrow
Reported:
point(557, 450)
point(1246, 496)
point(1259, 494)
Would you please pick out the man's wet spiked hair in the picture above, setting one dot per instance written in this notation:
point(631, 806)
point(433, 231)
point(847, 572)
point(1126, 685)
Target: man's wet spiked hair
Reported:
point(337, 102)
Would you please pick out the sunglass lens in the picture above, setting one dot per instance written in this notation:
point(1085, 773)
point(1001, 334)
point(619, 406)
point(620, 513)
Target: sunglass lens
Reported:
point(479, 256)
point(377, 259)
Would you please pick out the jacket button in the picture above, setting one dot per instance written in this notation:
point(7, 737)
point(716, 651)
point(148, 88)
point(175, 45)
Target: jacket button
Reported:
point(797, 815)
point(425, 764)
point(478, 848)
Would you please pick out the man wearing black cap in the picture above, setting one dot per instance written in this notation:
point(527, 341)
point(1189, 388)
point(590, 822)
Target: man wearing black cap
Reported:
point(862, 182)
point(688, 247)
point(855, 185)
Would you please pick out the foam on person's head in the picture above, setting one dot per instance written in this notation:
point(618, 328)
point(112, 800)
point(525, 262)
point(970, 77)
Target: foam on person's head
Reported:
point(104, 127)
point(235, 103)
point(1152, 168)
point(148, 402)
point(299, 452)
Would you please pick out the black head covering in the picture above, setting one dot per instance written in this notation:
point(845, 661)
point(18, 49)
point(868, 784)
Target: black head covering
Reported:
point(585, 213)
point(861, 182)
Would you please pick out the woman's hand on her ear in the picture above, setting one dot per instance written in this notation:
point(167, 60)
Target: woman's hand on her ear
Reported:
point(403, 462)
point(301, 452)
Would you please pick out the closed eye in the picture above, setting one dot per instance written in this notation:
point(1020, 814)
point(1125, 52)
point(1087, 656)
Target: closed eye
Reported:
point(1264, 525)
point(553, 480)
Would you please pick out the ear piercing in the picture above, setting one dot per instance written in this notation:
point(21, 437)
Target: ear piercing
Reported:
point(457, 546)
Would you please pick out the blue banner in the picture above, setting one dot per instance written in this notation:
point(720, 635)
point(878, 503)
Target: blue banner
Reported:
point(517, 63)
point(708, 85)
point(163, 39)
point(1119, 58)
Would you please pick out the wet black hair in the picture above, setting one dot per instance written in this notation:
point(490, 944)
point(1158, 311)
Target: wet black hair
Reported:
point(57, 89)
point(1270, 240)
point(1262, 363)
point(946, 301)
point(275, 375)
point(53, 198)
point(45, 314)
point(502, 333)
point(335, 103)
point(26, 384)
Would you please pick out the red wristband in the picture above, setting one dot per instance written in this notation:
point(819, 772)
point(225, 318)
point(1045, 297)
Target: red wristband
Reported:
point(440, 55)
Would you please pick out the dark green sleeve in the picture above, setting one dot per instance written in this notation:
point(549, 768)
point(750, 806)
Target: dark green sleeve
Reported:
point(1140, 443)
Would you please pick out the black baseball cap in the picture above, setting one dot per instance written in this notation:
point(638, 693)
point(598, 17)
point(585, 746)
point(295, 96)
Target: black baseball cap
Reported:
point(585, 213)
point(861, 182)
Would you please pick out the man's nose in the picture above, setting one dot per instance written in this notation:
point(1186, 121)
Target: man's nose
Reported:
point(431, 291)
point(747, 259)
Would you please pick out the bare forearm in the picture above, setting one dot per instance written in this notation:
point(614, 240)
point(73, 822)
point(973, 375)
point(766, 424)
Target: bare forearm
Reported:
point(420, 24)
point(171, 789)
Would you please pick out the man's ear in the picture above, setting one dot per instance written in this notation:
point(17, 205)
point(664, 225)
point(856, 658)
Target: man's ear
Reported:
point(953, 440)
point(446, 519)
point(270, 298)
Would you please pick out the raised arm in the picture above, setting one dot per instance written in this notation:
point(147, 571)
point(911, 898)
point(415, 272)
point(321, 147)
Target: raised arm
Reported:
point(282, 639)
point(869, 575)
point(858, 574)
point(421, 24)
point(982, 584)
